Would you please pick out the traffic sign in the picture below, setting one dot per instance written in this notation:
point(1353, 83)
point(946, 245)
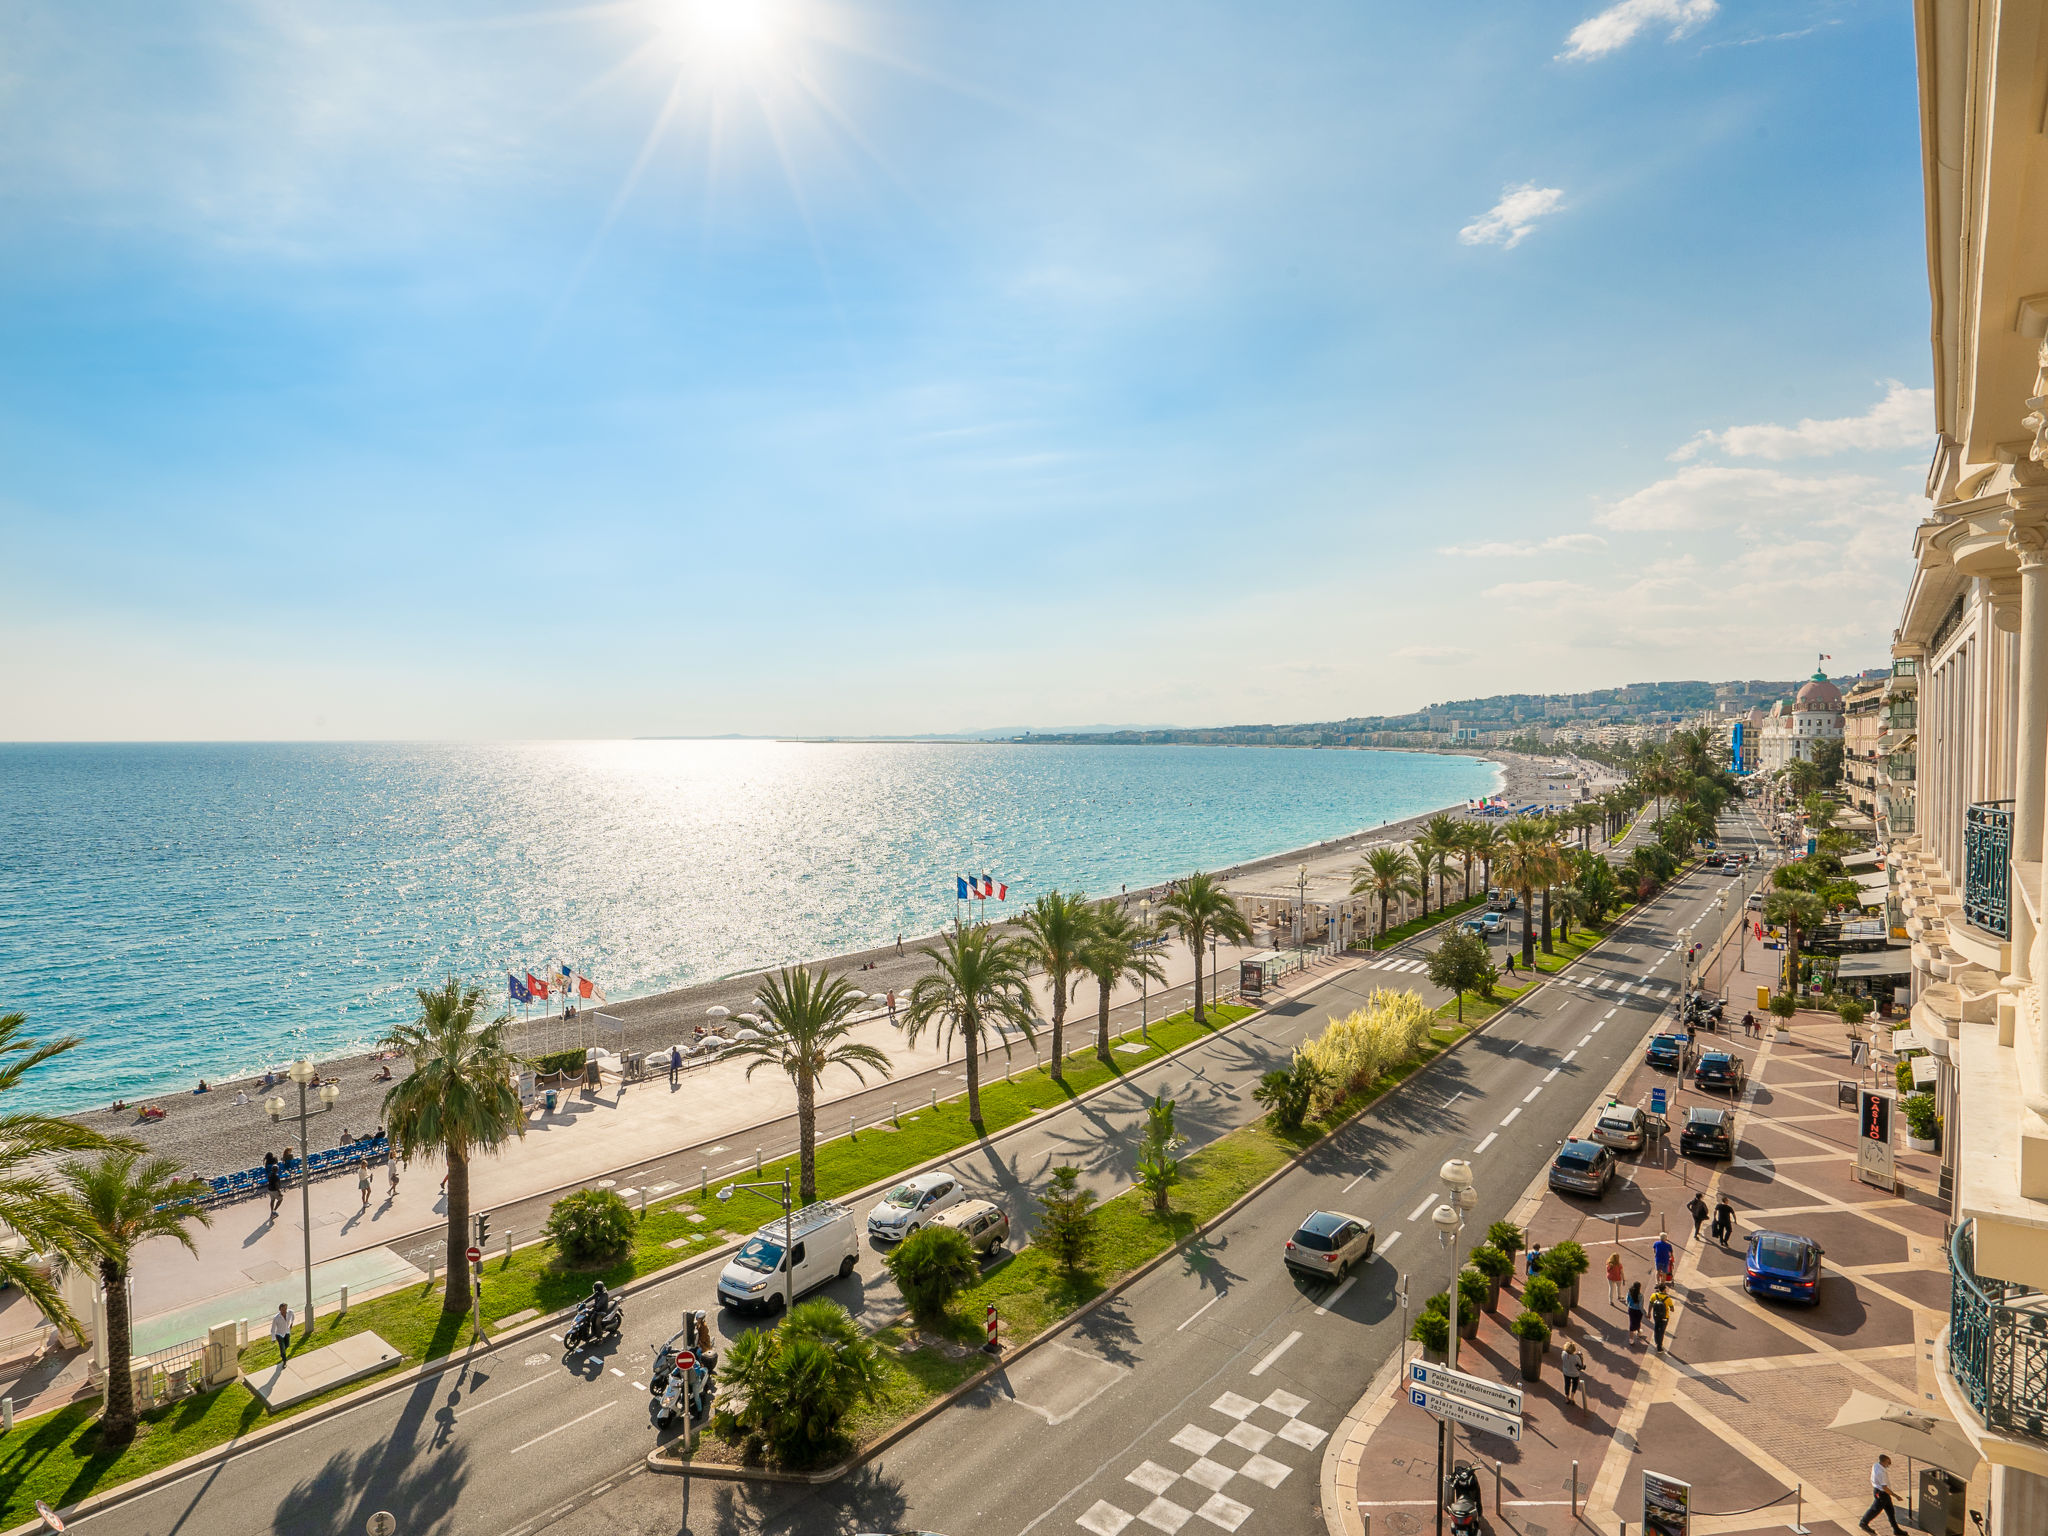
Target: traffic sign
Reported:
point(1657, 1101)
point(686, 1360)
point(476, 1255)
point(1471, 1415)
point(52, 1521)
point(1474, 1389)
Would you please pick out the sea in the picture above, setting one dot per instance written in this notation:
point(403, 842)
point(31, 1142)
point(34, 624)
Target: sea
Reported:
point(212, 910)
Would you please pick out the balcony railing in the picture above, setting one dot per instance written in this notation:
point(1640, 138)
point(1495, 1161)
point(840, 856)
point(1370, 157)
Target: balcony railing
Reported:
point(1997, 1345)
point(1902, 715)
point(1987, 866)
point(1900, 818)
point(1905, 666)
point(1900, 767)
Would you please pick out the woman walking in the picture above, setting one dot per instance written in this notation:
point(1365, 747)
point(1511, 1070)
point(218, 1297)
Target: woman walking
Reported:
point(391, 1174)
point(363, 1180)
point(1617, 1278)
point(1635, 1311)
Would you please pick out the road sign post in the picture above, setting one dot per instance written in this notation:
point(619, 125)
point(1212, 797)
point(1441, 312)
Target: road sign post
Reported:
point(1471, 1415)
point(1473, 1389)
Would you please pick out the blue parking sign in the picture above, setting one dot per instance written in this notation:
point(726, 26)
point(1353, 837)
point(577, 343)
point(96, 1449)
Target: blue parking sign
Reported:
point(1656, 1101)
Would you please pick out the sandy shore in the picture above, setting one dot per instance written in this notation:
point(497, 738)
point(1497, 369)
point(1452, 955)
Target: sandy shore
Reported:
point(210, 1133)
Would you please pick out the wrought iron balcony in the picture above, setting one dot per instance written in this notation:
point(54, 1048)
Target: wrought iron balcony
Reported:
point(1902, 715)
point(1997, 1345)
point(1987, 866)
point(1905, 666)
point(1900, 767)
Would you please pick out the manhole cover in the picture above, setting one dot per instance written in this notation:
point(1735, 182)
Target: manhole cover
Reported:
point(1402, 1523)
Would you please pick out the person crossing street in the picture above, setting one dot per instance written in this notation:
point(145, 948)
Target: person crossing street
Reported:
point(1880, 1498)
point(1724, 1221)
point(1696, 1208)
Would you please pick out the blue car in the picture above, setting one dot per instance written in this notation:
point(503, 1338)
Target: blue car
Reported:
point(1783, 1265)
point(1666, 1051)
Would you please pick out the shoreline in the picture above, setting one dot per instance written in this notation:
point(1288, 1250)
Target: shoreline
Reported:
point(210, 1133)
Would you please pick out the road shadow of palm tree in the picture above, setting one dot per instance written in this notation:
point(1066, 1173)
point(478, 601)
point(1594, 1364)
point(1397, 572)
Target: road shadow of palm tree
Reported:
point(1110, 1329)
point(339, 1498)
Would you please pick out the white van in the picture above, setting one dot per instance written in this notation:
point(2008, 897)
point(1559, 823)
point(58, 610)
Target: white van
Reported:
point(824, 1246)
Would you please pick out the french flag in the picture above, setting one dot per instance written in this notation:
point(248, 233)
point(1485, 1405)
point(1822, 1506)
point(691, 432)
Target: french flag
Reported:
point(961, 882)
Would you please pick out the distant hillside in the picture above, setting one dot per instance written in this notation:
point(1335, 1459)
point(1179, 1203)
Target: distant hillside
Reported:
point(1492, 720)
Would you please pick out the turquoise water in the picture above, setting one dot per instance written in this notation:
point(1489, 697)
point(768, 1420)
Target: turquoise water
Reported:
point(212, 910)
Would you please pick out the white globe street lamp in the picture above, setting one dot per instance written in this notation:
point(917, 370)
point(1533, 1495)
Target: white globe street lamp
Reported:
point(305, 1072)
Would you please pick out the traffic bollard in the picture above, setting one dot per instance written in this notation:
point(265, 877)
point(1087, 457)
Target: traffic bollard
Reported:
point(1575, 1492)
point(6, 1414)
point(508, 1247)
point(344, 1301)
point(1496, 1487)
point(852, 1128)
point(757, 1159)
point(893, 1116)
point(935, 1098)
point(643, 1202)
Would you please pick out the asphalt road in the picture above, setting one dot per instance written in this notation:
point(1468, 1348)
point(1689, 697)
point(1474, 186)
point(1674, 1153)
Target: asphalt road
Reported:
point(527, 1438)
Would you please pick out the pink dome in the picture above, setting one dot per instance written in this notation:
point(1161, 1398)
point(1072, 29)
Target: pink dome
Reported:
point(1818, 694)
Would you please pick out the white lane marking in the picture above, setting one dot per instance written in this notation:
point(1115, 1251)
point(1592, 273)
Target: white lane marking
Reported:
point(469, 1408)
point(536, 1440)
point(1271, 1355)
point(1585, 1042)
point(1568, 1055)
point(1507, 1122)
point(638, 1388)
point(1546, 1078)
point(1205, 1306)
point(617, 1372)
point(1335, 1296)
point(1530, 1096)
point(1390, 1242)
point(1416, 1214)
point(1511, 1049)
point(1483, 1145)
point(1347, 1188)
point(1454, 1098)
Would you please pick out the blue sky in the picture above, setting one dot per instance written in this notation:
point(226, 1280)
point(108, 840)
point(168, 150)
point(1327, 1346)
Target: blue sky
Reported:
point(678, 366)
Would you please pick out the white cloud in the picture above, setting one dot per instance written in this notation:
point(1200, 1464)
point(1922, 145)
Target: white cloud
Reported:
point(1437, 655)
point(1533, 591)
point(1901, 419)
point(1496, 548)
point(1508, 220)
point(1617, 26)
point(1705, 496)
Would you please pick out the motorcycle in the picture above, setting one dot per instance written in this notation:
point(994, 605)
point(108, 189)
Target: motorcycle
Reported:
point(585, 1328)
point(1461, 1500)
point(692, 1387)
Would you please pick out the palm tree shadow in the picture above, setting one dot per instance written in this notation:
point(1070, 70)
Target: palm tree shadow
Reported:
point(340, 1496)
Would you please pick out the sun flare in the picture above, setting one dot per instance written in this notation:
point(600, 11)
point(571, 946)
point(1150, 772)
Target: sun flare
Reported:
point(725, 31)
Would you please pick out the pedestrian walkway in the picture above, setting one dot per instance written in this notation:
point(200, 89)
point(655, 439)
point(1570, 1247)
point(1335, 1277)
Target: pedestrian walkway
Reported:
point(1739, 1401)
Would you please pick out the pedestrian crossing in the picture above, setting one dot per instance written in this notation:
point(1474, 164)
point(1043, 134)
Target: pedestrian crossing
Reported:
point(1201, 1485)
point(1396, 963)
point(1586, 980)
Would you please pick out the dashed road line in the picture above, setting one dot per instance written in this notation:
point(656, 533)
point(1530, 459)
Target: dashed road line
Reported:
point(1271, 1355)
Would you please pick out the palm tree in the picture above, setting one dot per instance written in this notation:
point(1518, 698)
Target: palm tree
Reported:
point(42, 1216)
point(126, 1200)
point(1055, 933)
point(1467, 851)
point(1198, 909)
point(1116, 950)
point(1386, 874)
point(458, 1101)
point(1797, 912)
point(810, 1011)
point(1525, 865)
point(979, 984)
point(1447, 835)
point(1486, 842)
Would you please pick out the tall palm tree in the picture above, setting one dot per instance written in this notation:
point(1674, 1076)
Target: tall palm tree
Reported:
point(1487, 841)
point(1525, 864)
point(1199, 908)
point(459, 1100)
point(43, 1216)
point(979, 984)
point(1428, 858)
point(810, 1011)
point(126, 1200)
point(1387, 873)
point(1056, 930)
point(1447, 835)
point(1117, 949)
point(1463, 839)
point(1798, 913)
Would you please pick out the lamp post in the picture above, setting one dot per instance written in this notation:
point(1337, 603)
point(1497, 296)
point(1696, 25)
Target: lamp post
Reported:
point(305, 1072)
point(1300, 914)
point(1449, 1220)
point(1144, 992)
point(1214, 989)
point(782, 1199)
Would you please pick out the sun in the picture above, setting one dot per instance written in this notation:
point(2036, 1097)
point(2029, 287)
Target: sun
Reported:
point(721, 31)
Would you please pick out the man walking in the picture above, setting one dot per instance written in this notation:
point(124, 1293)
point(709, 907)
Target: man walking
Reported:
point(281, 1332)
point(1880, 1497)
point(274, 1182)
point(675, 1065)
point(1664, 1254)
point(1724, 1221)
point(1660, 1315)
point(1697, 1209)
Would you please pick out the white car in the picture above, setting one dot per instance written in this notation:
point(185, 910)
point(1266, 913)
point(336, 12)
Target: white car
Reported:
point(1623, 1127)
point(912, 1204)
point(822, 1247)
point(1329, 1243)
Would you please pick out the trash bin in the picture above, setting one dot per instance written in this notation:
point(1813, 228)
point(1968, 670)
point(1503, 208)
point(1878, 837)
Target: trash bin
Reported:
point(1939, 1509)
point(551, 1101)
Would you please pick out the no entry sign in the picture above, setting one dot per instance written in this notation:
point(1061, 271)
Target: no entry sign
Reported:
point(476, 1255)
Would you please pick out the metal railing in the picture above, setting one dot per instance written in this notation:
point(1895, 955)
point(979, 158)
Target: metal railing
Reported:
point(1901, 818)
point(1902, 715)
point(1902, 767)
point(1905, 666)
point(1987, 866)
point(1997, 1344)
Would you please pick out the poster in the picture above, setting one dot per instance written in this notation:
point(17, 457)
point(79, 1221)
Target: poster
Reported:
point(1251, 980)
point(1874, 1139)
point(1667, 1506)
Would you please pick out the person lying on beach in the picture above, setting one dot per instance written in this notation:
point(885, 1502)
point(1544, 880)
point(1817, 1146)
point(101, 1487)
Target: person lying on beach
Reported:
point(383, 1076)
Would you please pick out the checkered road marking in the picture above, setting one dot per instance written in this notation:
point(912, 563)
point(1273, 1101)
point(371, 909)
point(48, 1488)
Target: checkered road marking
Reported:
point(1221, 1462)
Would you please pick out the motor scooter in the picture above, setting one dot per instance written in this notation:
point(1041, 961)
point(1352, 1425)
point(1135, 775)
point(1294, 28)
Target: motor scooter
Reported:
point(690, 1387)
point(1461, 1501)
point(586, 1327)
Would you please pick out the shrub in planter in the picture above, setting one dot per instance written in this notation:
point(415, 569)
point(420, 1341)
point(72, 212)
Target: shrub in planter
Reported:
point(1496, 1266)
point(1533, 1334)
point(1508, 1238)
point(1852, 1013)
point(1472, 1289)
point(932, 1267)
point(1922, 1123)
point(1432, 1328)
point(1902, 1076)
point(590, 1227)
point(796, 1384)
point(1542, 1297)
point(1784, 1005)
point(1564, 1263)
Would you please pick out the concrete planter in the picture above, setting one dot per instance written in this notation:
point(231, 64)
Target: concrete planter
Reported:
point(1468, 1326)
point(1532, 1359)
point(1926, 1144)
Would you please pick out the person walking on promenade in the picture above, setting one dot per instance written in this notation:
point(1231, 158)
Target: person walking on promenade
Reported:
point(274, 1182)
point(892, 1005)
point(1635, 1311)
point(1617, 1278)
point(281, 1332)
point(1511, 962)
point(1662, 1251)
point(1573, 1365)
point(1660, 1315)
point(1880, 1497)
point(391, 1177)
point(1724, 1221)
point(1535, 1254)
point(1696, 1208)
point(363, 1180)
point(675, 1065)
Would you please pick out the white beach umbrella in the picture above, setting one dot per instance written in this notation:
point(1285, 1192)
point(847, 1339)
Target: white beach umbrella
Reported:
point(717, 1011)
point(748, 1034)
point(860, 997)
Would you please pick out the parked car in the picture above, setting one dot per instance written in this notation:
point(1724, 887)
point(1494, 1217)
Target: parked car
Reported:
point(1782, 1264)
point(1582, 1168)
point(1329, 1243)
point(824, 1245)
point(1622, 1127)
point(1709, 1131)
point(1670, 1051)
point(912, 1204)
point(1494, 922)
point(1756, 901)
point(983, 1222)
point(1716, 860)
point(1718, 1071)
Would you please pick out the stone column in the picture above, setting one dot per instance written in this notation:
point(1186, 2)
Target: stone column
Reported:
point(2029, 539)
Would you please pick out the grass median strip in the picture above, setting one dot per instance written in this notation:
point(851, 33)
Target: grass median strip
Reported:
point(59, 1458)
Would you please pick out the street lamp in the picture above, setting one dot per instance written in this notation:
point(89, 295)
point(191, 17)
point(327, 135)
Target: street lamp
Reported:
point(1300, 914)
point(1144, 982)
point(781, 1199)
point(305, 1072)
point(1449, 1221)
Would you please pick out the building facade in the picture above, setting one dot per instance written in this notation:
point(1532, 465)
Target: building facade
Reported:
point(1964, 726)
point(1794, 728)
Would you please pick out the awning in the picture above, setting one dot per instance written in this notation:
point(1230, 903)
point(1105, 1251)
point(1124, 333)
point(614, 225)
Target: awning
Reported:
point(1938, 1441)
point(1883, 962)
point(1866, 860)
point(1880, 881)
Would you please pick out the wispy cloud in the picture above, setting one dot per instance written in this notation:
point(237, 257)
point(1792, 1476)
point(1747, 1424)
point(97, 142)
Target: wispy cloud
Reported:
point(1437, 655)
point(1508, 220)
point(1902, 418)
point(1616, 27)
point(1752, 501)
point(1499, 548)
point(1532, 591)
